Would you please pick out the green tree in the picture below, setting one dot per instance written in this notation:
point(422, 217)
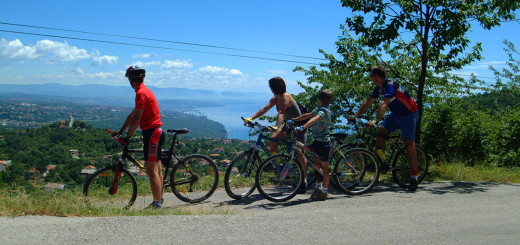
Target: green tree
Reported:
point(435, 29)
point(508, 78)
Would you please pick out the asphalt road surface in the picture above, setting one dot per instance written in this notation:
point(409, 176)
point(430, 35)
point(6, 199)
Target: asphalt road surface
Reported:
point(438, 213)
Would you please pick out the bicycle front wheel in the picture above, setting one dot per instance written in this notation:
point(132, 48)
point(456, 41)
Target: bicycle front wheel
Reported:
point(279, 178)
point(104, 192)
point(239, 180)
point(355, 171)
point(402, 171)
point(194, 178)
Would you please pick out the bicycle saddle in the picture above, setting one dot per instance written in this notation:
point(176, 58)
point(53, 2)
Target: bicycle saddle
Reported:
point(179, 131)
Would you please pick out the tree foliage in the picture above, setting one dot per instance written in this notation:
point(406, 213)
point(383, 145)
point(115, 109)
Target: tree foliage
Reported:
point(434, 29)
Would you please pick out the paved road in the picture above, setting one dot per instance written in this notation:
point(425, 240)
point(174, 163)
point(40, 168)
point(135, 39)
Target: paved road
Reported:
point(439, 213)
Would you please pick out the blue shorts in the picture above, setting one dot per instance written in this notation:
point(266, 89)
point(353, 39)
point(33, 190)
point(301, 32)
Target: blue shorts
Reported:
point(406, 123)
point(153, 140)
point(322, 149)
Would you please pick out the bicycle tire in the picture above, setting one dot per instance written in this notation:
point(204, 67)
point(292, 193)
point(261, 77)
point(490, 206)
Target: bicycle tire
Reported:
point(96, 189)
point(194, 178)
point(242, 183)
point(401, 170)
point(357, 172)
point(334, 159)
point(272, 185)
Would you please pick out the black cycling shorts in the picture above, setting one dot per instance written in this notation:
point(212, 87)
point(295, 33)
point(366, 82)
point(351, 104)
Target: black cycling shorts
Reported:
point(153, 140)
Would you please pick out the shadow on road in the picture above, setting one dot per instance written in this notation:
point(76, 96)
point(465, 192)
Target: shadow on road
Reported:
point(297, 200)
point(438, 188)
point(458, 187)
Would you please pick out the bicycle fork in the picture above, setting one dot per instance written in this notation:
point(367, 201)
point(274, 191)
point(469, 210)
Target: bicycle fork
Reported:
point(117, 179)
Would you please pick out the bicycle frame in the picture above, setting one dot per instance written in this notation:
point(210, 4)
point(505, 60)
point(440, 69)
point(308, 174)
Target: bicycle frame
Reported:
point(166, 157)
point(363, 140)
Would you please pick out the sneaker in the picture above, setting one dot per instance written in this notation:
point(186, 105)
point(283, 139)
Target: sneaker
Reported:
point(315, 193)
point(155, 205)
point(321, 196)
point(413, 185)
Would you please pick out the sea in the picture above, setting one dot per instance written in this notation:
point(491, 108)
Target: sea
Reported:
point(230, 116)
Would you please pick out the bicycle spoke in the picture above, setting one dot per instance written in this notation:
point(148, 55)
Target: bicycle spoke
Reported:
point(194, 179)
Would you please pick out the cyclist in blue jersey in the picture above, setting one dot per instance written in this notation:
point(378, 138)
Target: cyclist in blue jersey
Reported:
point(404, 115)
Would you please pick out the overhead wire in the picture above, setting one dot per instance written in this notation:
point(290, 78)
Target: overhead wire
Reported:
point(161, 40)
point(170, 48)
point(158, 47)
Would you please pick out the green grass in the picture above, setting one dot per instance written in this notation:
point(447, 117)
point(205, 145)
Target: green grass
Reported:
point(33, 200)
point(460, 172)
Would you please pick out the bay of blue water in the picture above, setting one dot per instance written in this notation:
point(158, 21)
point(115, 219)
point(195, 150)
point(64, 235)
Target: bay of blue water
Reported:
point(229, 116)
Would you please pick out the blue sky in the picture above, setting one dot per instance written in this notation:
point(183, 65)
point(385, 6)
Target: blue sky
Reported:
point(285, 27)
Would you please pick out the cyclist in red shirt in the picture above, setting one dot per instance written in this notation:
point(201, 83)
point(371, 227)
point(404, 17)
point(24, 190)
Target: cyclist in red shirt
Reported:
point(146, 115)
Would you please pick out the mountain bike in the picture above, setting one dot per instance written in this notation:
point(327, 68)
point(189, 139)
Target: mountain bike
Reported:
point(239, 180)
point(280, 177)
point(193, 178)
point(397, 160)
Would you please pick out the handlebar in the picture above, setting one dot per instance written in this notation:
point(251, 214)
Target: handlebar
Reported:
point(118, 138)
point(256, 124)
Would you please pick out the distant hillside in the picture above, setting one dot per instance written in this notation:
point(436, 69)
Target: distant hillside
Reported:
point(171, 99)
point(22, 111)
point(494, 100)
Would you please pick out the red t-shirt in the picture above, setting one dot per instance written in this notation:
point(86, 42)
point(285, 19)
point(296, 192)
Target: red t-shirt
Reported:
point(144, 99)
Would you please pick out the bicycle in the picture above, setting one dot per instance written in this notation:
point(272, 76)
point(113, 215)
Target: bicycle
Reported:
point(239, 180)
point(193, 178)
point(279, 177)
point(397, 161)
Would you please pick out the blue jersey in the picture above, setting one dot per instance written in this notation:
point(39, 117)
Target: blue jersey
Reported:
point(401, 104)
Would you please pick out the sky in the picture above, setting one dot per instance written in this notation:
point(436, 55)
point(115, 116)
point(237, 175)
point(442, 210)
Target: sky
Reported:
point(252, 35)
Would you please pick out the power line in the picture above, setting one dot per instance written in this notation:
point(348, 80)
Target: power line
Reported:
point(160, 40)
point(159, 47)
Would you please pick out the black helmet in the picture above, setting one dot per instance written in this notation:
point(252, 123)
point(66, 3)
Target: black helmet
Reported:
point(134, 72)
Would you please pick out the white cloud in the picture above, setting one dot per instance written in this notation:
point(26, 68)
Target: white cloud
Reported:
point(15, 50)
point(78, 71)
point(176, 64)
point(61, 52)
point(235, 72)
point(104, 60)
point(213, 69)
point(145, 65)
point(143, 56)
point(53, 52)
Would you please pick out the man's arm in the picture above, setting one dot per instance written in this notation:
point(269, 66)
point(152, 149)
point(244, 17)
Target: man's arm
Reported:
point(382, 109)
point(364, 107)
point(132, 121)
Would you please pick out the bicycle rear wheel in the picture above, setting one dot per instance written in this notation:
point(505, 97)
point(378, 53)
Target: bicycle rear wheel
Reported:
point(356, 171)
point(279, 178)
point(239, 180)
point(194, 178)
point(98, 186)
point(401, 170)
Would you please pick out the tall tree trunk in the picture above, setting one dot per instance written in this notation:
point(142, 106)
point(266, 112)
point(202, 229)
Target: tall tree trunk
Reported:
point(422, 75)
